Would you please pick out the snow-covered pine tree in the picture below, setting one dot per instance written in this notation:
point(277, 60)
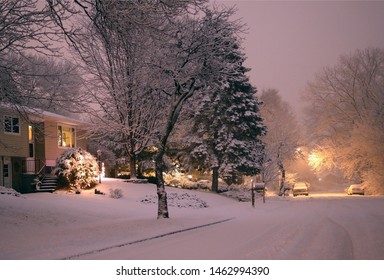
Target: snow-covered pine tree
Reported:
point(227, 123)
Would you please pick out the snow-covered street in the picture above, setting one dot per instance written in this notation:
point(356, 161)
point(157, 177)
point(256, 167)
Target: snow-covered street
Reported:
point(202, 226)
point(306, 229)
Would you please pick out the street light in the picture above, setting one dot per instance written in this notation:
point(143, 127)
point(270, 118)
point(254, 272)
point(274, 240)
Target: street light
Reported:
point(315, 160)
point(99, 163)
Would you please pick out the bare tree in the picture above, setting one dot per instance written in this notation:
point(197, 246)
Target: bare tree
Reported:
point(346, 116)
point(119, 81)
point(47, 83)
point(282, 139)
point(27, 37)
point(189, 65)
point(25, 28)
point(114, 40)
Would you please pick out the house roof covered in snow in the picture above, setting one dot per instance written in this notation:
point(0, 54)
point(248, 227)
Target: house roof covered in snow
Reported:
point(39, 115)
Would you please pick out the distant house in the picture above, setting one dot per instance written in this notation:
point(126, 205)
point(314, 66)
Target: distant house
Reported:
point(30, 144)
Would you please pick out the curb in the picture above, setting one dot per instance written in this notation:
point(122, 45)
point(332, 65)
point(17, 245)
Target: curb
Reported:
point(145, 239)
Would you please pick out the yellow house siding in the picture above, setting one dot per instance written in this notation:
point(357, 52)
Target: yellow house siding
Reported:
point(11, 144)
point(52, 149)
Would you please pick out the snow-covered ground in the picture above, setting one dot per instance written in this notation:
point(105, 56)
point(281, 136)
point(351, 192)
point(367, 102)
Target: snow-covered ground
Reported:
point(60, 225)
point(202, 225)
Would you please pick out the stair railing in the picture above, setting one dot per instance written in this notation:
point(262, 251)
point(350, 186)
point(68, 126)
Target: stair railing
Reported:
point(40, 176)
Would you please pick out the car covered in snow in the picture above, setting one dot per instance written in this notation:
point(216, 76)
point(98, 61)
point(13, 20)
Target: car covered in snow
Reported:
point(300, 188)
point(356, 189)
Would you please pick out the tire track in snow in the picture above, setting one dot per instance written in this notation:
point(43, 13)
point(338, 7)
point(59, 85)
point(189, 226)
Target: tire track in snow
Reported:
point(364, 223)
point(343, 241)
point(323, 237)
point(308, 233)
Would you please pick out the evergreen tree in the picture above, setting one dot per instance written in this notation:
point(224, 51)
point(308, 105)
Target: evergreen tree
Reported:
point(227, 124)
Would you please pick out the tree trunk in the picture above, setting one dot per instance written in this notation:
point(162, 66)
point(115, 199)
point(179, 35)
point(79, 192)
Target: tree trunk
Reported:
point(162, 211)
point(215, 179)
point(282, 181)
point(132, 166)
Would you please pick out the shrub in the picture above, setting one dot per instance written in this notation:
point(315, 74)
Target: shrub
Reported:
point(115, 193)
point(76, 169)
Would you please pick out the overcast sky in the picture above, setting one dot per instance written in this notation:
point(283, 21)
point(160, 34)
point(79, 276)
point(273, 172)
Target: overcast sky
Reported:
point(289, 41)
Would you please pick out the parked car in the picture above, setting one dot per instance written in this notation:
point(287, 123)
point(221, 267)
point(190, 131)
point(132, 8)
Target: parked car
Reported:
point(300, 188)
point(355, 189)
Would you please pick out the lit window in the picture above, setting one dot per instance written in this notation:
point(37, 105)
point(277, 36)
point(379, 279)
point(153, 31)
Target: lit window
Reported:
point(11, 125)
point(30, 140)
point(30, 133)
point(66, 136)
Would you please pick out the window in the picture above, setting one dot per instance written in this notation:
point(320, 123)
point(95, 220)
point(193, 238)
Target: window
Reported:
point(66, 136)
point(11, 125)
point(31, 147)
point(30, 133)
point(31, 150)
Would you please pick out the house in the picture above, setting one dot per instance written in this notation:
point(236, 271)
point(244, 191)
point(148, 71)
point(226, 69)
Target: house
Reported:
point(30, 142)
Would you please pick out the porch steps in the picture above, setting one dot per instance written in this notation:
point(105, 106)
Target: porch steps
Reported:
point(47, 184)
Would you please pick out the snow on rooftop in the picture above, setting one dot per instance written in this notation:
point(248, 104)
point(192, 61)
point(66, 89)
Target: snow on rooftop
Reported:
point(43, 114)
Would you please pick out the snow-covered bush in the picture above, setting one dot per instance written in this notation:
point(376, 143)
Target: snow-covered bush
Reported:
point(115, 193)
point(77, 169)
point(204, 184)
point(179, 180)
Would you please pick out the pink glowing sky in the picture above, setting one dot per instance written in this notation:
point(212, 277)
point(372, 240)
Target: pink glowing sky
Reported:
point(289, 41)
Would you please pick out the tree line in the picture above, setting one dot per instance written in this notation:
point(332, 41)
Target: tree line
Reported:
point(345, 114)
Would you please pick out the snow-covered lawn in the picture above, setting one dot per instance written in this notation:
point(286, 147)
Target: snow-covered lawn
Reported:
point(60, 225)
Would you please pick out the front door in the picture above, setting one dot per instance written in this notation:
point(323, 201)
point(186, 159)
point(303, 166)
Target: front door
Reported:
point(7, 172)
